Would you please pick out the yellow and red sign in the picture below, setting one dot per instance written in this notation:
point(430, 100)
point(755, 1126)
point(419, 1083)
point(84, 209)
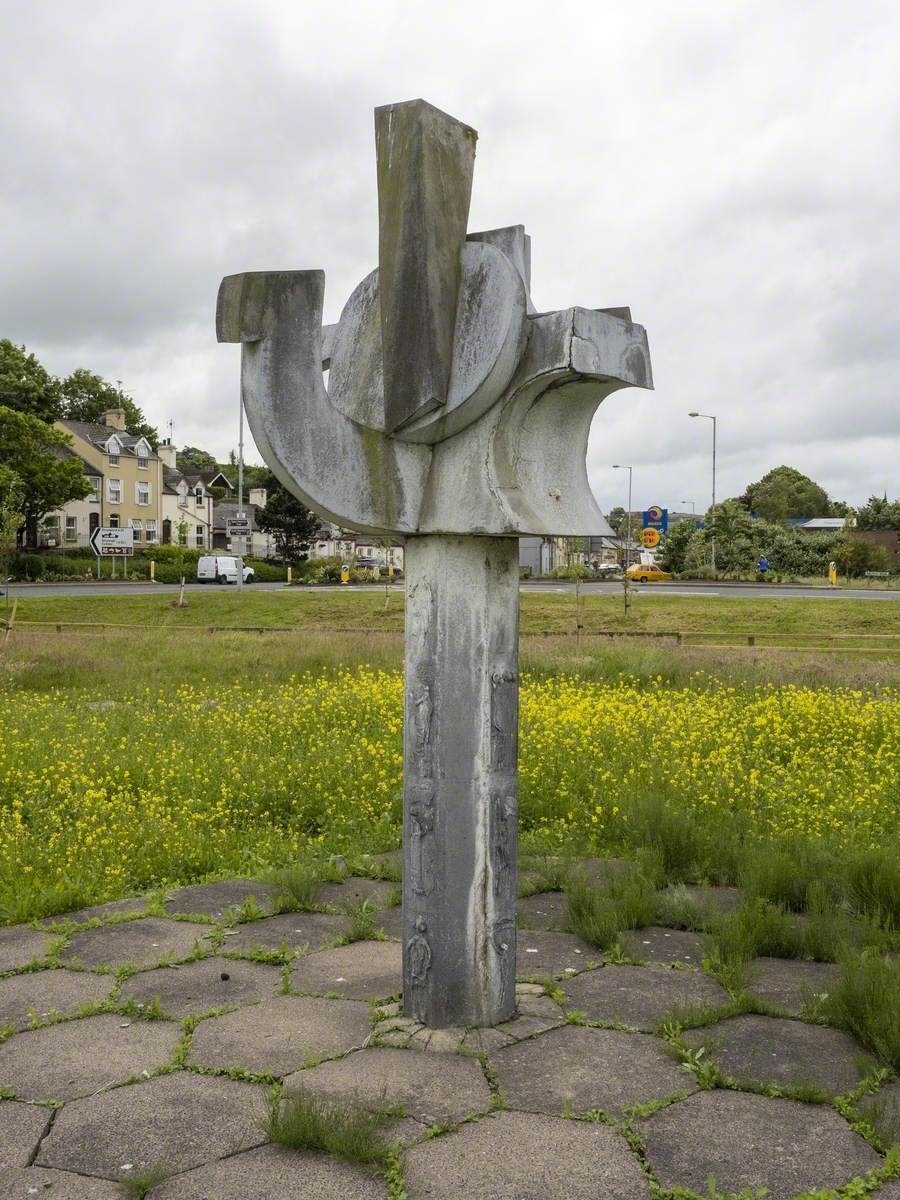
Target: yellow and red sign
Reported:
point(649, 538)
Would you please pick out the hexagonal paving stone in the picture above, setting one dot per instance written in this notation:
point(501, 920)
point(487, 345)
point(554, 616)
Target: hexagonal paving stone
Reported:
point(546, 910)
point(200, 986)
point(352, 890)
point(215, 899)
point(785, 981)
point(273, 1172)
point(298, 931)
point(658, 945)
point(75, 1058)
point(49, 992)
point(522, 1156)
point(56, 1185)
point(588, 1069)
point(21, 1128)
point(390, 921)
point(547, 952)
point(771, 1050)
point(145, 942)
point(431, 1087)
point(281, 1035)
point(748, 1141)
point(360, 971)
point(20, 945)
point(176, 1121)
point(640, 996)
point(891, 1191)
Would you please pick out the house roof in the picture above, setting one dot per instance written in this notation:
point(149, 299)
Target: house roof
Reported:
point(226, 510)
point(66, 452)
point(824, 523)
point(98, 435)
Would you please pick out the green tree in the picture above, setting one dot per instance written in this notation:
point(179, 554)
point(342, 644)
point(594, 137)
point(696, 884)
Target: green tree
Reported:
point(854, 555)
point(291, 523)
point(50, 478)
point(879, 513)
point(12, 493)
point(673, 554)
point(26, 386)
point(731, 526)
point(616, 518)
point(191, 458)
point(87, 396)
point(785, 492)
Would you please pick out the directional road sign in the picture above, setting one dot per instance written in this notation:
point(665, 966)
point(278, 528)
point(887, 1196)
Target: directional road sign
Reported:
point(238, 527)
point(112, 542)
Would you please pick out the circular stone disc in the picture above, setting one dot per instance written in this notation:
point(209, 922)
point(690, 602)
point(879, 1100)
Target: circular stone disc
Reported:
point(488, 341)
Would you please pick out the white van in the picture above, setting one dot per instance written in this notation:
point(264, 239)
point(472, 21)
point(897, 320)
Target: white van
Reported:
point(221, 568)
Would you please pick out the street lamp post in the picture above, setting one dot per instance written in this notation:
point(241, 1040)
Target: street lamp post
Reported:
point(709, 417)
point(622, 467)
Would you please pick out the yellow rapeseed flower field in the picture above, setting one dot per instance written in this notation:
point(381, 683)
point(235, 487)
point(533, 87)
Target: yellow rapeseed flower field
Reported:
point(99, 797)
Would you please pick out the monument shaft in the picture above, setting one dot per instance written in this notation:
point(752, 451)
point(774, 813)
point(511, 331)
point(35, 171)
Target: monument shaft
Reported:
point(460, 795)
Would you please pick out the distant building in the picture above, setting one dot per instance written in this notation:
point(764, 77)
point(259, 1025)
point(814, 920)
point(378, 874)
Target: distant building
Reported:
point(825, 524)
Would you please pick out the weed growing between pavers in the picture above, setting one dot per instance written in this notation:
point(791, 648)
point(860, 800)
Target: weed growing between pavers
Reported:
point(139, 1184)
point(362, 924)
point(339, 1126)
point(296, 886)
point(865, 1002)
point(599, 914)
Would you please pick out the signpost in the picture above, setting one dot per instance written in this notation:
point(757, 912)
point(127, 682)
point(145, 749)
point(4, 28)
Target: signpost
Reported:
point(112, 542)
point(656, 518)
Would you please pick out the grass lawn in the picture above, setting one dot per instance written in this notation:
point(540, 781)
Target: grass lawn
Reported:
point(540, 613)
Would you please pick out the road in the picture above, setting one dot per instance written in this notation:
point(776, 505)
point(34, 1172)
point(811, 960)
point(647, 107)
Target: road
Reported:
point(758, 591)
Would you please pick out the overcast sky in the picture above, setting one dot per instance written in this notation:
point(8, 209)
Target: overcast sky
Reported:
point(729, 170)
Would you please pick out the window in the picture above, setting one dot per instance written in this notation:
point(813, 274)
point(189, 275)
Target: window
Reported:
point(114, 520)
point(151, 531)
point(136, 528)
point(142, 462)
point(94, 497)
point(114, 491)
point(113, 460)
point(71, 529)
point(198, 496)
point(142, 493)
point(200, 541)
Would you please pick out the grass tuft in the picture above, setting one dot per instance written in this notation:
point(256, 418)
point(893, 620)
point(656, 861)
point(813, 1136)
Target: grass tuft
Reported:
point(344, 1128)
point(865, 1002)
point(138, 1184)
point(362, 927)
point(599, 914)
point(296, 887)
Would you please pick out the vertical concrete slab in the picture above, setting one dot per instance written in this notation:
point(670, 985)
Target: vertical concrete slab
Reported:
point(460, 795)
point(425, 161)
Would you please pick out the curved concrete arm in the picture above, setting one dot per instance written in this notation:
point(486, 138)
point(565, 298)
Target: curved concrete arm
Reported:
point(351, 474)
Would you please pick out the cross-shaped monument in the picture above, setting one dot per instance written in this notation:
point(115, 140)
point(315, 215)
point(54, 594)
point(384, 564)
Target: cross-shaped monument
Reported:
point(457, 417)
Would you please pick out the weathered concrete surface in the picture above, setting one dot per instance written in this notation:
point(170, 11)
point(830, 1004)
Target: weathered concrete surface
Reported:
point(281, 1035)
point(460, 796)
point(546, 952)
point(46, 993)
point(360, 971)
point(215, 899)
point(144, 943)
point(747, 1141)
point(20, 945)
point(545, 910)
point(431, 1088)
point(60, 1185)
point(640, 996)
point(769, 1050)
point(295, 931)
point(273, 1173)
point(174, 1121)
point(353, 890)
point(882, 1108)
point(787, 982)
point(78, 1057)
point(521, 1156)
point(657, 945)
point(587, 1069)
point(200, 986)
point(21, 1128)
point(425, 161)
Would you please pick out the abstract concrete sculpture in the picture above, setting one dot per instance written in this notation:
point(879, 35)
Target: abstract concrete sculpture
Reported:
point(458, 417)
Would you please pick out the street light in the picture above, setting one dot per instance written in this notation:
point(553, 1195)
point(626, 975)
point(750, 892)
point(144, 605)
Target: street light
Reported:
point(622, 467)
point(709, 417)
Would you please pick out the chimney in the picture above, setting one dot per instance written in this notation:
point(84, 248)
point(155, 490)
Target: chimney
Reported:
point(166, 452)
point(114, 418)
point(257, 496)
